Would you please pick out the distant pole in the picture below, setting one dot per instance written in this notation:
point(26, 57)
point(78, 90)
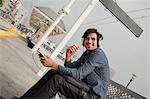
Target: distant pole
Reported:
point(132, 78)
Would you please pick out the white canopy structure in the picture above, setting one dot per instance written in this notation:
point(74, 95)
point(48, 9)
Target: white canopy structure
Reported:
point(42, 17)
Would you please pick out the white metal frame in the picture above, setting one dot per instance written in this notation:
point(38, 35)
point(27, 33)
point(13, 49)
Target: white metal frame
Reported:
point(63, 12)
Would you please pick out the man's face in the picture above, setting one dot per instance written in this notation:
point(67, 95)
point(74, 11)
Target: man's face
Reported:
point(90, 42)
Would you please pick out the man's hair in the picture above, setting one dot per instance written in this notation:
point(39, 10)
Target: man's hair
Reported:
point(92, 30)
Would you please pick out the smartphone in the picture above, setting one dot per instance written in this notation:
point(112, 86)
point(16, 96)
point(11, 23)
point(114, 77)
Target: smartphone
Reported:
point(41, 55)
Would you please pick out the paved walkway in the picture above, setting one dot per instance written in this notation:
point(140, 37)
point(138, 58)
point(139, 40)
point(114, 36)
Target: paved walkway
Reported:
point(17, 68)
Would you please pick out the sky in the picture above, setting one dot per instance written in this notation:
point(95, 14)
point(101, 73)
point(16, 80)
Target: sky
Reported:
point(127, 54)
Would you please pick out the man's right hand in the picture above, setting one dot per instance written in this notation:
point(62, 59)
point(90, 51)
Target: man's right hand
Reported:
point(71, 51)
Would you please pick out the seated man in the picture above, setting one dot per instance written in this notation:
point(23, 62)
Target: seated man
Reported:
point(91, 70)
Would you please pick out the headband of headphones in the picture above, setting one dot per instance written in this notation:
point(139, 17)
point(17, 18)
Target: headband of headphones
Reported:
point(93, 30)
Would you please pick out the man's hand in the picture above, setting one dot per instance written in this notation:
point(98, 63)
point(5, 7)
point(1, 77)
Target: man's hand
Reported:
point(71, 51)
point(48, 62)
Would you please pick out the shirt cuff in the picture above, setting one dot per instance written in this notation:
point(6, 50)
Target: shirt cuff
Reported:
point(60, 68)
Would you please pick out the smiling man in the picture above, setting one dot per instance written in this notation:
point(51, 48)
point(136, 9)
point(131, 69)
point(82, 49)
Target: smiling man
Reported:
point(86, 78)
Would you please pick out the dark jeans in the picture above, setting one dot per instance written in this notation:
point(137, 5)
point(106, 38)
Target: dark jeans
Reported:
point(51, 83)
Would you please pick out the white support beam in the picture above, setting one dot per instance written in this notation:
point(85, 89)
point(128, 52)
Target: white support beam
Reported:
point(63, 12)
point(82, 17)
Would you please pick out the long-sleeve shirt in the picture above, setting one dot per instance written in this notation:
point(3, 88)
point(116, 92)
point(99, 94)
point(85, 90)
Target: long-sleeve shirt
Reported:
point(92, 68)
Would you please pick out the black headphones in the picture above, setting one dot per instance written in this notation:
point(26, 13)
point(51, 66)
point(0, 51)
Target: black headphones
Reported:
point(92, 30)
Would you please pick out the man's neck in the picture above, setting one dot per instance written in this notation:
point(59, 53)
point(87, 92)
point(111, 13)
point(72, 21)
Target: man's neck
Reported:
point(89, 51)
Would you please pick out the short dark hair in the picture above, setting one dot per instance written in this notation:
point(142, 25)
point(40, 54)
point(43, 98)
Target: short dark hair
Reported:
point(93, 30)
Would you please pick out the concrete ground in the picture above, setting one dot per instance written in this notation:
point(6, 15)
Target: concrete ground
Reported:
point(17, 68)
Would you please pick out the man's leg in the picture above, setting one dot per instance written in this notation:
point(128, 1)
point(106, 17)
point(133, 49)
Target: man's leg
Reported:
point(51, 86)
point(40, 83)
point(68, 90)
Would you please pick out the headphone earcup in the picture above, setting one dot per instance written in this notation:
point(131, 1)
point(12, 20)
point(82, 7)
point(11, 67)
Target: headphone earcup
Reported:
point(100, 43)
point(100, 38)
point(83, 41)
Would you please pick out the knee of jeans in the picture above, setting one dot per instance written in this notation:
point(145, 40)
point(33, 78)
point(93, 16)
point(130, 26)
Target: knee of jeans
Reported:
point(58, 77)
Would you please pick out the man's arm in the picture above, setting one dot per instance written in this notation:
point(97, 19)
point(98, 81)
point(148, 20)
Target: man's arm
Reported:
point(84, 69)
point(74, 64)
point(48, 62)
point(71, 50)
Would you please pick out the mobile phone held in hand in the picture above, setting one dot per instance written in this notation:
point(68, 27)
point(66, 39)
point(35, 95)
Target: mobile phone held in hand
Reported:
point(41, 55)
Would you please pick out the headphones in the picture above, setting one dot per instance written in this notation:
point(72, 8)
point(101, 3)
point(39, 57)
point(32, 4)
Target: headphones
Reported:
point(93, 30)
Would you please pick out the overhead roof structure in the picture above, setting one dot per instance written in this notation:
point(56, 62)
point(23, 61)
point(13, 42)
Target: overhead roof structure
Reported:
point(122, 17)
point(42, 17)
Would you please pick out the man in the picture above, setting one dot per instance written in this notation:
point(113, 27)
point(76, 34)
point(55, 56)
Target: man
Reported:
point(91, 70)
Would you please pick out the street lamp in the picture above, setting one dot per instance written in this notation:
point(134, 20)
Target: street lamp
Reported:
point(132, 78)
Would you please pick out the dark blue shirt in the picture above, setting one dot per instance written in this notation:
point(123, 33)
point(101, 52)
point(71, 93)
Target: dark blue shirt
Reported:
point(92, 68)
